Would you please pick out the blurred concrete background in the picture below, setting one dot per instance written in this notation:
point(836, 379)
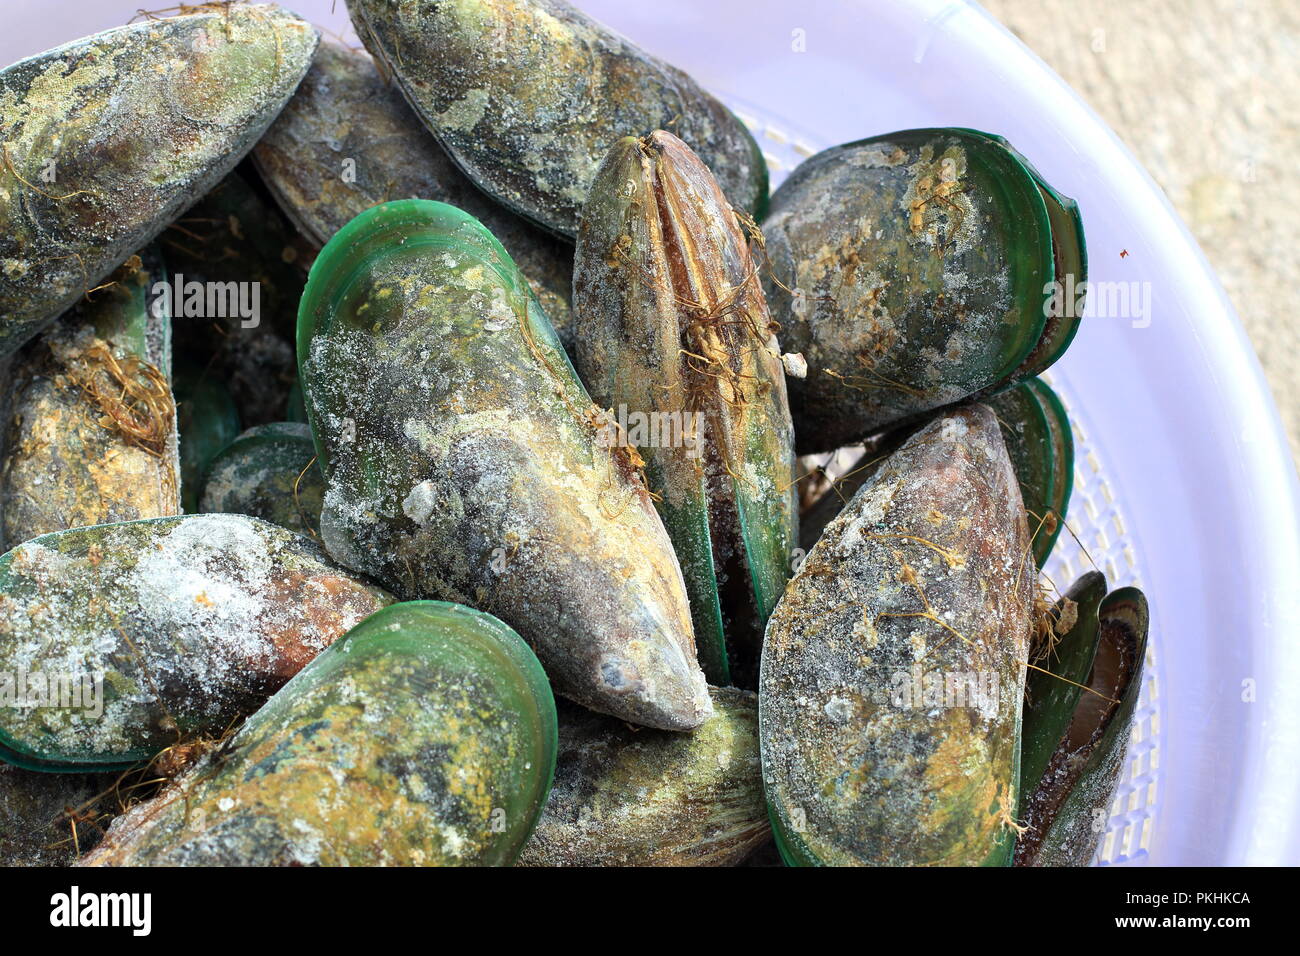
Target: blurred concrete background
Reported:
point(1207, 95)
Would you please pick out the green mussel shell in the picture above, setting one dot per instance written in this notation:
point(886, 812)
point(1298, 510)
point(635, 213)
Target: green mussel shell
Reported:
point(109, 138)
point(268, 472)
point(630, 797)
point(92, 422)
point(348, 141)
point(893, 668)
point(426, 736)
point(208, 420)
point(118, 640)
point(1041, 444)
point(913, 270)
point(675, 340)
point(1052, 698)
point(461, 461)
point(1067, 812)
point(528, 96)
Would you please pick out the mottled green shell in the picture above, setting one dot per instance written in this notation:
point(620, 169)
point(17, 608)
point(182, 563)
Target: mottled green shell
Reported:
point(66, 463)
point(208, 421)
point(234, 235)
point(268, 472)
point(1065, 815)
point(1051, 698)
point(348, 141)
point(893, 668)
point(461, 461)
point(672, 323)
point(109, 138)
point(1041, 445)
point(630, 797)
point(911, 270)
point(35, 829)
point(528, 96)
point(426, 736)
point(191, 622)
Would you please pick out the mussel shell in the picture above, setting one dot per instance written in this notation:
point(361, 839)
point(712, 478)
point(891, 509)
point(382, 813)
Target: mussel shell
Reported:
point(893, 668)
point(911, 270)
point(1064, 817)
point(268, 472)
point(134, 124)
point(207, 420)
point(672, 323)
point(1041, 444)
point(528, 95)
point(426, 736)
point(348, 141)
point(1052, 698)
point(461, 461)
point(92, 421)
point(624, 796)
point(190, 622)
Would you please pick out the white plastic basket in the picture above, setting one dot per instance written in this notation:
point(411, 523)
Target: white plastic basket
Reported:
point(1184, 484)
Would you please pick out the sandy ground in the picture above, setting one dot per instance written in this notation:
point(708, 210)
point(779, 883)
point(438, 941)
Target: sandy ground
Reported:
point(1205, 94)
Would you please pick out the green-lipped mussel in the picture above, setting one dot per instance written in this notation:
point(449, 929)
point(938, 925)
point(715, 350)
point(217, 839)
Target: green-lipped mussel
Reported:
point(674, 337)
point(92, 423)
point(626, 796)
point(107, 139)
point(348, 141)
point(426, 736)
point(1078, 715)
point(118, 640)
point(913, 270)
point(893, 668)
point(1039, 441)
point(268, 472)
point(527, 96)
point(461, 461)
point(208, 420)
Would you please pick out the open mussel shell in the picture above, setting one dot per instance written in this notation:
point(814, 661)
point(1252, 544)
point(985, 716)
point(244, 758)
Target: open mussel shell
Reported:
point(426, 736)
point(1061, 658)
point(675, 340)
point(92, 166)
point(1041, 444)
point(118, 640)
point(1066, 814)
point(207, 420)
point(347, 141)
point(237, 269)
point(624, 796)
point(92, 422)
point(268, 472)
point(893, 668)
point(461, 461)
point(913, 270)
point(527, 96)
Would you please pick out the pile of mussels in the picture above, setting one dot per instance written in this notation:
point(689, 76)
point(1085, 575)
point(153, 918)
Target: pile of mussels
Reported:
point(526, 426)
